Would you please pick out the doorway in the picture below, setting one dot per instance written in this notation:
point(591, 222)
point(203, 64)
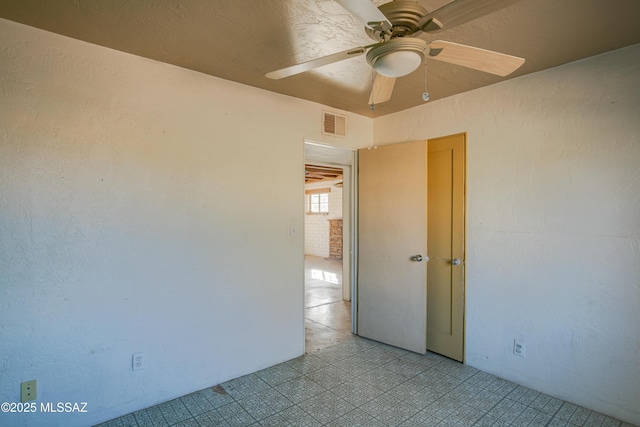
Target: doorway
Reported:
point(328, 245)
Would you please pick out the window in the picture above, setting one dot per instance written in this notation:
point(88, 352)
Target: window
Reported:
point(318, 201)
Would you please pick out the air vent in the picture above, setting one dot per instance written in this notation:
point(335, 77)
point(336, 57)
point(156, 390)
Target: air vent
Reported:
point(334, 124)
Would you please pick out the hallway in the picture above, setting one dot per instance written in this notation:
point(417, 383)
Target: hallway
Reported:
point(327, 315)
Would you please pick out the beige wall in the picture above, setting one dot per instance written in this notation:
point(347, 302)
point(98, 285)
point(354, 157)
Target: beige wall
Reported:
point(136, 217)
point(553, 225)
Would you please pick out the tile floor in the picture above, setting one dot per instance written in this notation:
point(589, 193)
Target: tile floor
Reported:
point(359, 382)
point(345, 380)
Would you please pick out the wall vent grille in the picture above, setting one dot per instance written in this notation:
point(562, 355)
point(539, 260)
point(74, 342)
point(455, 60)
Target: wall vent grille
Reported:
point(334, 124)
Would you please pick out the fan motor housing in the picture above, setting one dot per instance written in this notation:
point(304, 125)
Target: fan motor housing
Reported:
point(404, 17)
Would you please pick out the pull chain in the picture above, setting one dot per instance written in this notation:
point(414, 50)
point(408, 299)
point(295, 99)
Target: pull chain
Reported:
point(373, 82)
point(425, 95)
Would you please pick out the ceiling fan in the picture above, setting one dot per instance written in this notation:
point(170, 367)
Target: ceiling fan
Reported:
point(398, 52)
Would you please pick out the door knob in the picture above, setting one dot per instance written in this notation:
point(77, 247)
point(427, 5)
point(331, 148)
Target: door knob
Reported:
point(455, 261)
point(419, 258)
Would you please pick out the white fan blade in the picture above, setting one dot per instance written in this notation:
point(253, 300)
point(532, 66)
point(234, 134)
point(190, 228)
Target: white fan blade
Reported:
point(382, 89)
point(473, 57)
point(367, 13)
point(315, 63)
point(460, 11)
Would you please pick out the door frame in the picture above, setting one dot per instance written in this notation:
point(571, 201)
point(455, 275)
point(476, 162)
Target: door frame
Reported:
point(327, 155)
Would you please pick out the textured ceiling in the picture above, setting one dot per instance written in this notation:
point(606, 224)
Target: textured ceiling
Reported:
point(241, 40)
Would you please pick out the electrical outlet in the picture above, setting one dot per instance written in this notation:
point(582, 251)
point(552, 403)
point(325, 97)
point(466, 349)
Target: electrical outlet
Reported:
point(28, 391)
point(519, 348)
point(137, 361)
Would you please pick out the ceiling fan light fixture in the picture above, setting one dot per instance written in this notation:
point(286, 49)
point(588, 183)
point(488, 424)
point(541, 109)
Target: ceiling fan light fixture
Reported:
point(398, 64)
point(397, 57)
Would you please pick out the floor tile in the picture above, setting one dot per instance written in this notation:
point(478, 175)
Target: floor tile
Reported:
point(300, 389)
point(307, 363)
point(150, 417)
point(278, 374)
point(124, 421)
point(356, 365)
point(356, 418)
point(246, 385)
point(174, 411)
point(326, 407)
point(298, 417)
point(419, 419)
point(326, 379)
point(211, 418)
point(276, 420)
point(197, 403)
point(191, 422)
point(256, 407)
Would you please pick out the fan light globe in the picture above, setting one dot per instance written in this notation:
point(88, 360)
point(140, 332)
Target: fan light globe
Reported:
point(398, 64)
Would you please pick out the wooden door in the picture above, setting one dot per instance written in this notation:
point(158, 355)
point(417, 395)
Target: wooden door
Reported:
point(392, 298)
point(445, 246)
